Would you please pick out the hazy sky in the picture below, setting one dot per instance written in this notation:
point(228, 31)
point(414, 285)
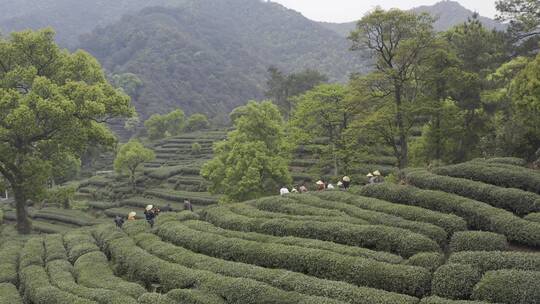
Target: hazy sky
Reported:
point(352, 10)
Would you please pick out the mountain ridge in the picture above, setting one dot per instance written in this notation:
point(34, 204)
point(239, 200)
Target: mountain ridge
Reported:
point(448, 13)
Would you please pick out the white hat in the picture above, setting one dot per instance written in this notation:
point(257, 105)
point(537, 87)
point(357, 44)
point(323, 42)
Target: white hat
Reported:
point(330, 186)
point(377, 173)
point(339, 183)
point(149, 207)
point(369, 175)
point(320, 182)
point(132, 214)
point(346, 179)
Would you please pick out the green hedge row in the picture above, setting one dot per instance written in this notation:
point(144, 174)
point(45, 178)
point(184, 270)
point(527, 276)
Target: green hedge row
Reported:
point(479, 216)
point(61, 276)
point(437, 300)
point(455, 281)
point(504, 160)
point(509, 286)
point(449, 222)
point(478, 241)
point(38, 290)
point(91, 265)
point(496, 174)
point(428, 260)
point(518, 201)
point(54, 247)
point(249, 210)
point(279, 278)
point(194, 296)
point(286, 280)
point(139, 264)
point(496, 260)
point(9, 294)
point(46, 227)
point(93, 271)
point(533, 217)
point(163, 173)
point(156, 298)
point(33, 253)
point(78, 243)
point(377, 237)
point(101, 205)
point(9, 256)
point(201, 198)
point(436, 233)
point(323, 264)
point(295, 241)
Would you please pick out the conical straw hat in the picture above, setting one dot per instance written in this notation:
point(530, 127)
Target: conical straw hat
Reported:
point(369, 175)
point(149, 207)
point(377, 173)
point(346, 179)
point(320, 183)
point(132, 214)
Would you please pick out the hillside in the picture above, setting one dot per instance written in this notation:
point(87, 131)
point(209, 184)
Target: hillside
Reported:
point(463, 232)
point(70, 18)
point(212, 56)
point(449, 14)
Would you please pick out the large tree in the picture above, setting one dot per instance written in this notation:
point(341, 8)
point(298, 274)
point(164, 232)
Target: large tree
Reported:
point(523, 15)
point(253, 161)
point(323, 112)
point(51, 102)
point(399, 42)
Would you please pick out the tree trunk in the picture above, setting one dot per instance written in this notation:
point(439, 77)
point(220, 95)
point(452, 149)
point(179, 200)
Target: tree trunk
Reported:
point(404, 149)
point(24, 226)
point(438, 142)
point(335, 159)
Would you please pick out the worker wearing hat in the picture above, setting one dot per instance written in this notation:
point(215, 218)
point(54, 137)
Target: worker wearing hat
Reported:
point(378, 178)
point(131, 215)
point(371, 178)
point(346, 182)
point(150, 215)
point(320, 185)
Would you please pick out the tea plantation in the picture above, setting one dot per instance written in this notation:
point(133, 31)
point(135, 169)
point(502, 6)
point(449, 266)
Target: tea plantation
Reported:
point(466, 233)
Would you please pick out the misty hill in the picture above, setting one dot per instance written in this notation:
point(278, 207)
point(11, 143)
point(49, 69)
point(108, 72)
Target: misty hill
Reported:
point(212, 55)
point(449, 14)
point(70, 18)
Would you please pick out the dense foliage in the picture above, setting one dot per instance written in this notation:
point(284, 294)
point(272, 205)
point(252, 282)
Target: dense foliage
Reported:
point(253, 161)
point(52, 104)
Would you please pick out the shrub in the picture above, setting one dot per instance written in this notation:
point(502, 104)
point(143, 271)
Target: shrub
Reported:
point(515, 200)
point(143, 266)
point(479, 216)
point(93, 271)
point(377, 237)
point(201, 198)
point(500, 175)
point(60, 274)
point(155, 298)
point(455, 281)
point(38, 290)
point(278, 278)
point(478, 241)
point(428, 260)
point(61, 196)
point(295, 241)
point(509, 286)
point(196, 148)
point(32, 253)
point(533, 217)
point(504, 160)
point(9, 255)
point(437, 300)
point(449, 222)
point(9, 294)
point(364, 272)
point(496, 260)
point(248, 210)
point(373, 217)
point(193, 296)
point(54, 248)
point(78, 243)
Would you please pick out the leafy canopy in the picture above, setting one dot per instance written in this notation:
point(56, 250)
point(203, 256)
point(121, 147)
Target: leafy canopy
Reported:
point(130, 157)
point(52, 102)
point(171, 124)
point(197, 122)
point(253, 161)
